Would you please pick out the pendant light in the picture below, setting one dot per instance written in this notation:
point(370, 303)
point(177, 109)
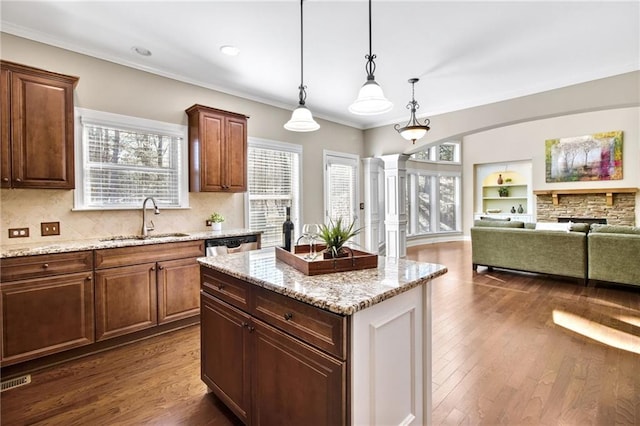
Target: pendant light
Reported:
point(301, 118)
point(371, 100)
point(413, 130)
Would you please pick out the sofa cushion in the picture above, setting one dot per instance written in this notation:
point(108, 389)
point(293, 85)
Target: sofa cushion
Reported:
point(499, 224)
point(615, 229)
point(553, 226)
point(579, 227)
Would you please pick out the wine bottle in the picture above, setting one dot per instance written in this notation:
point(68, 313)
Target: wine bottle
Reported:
point(287, 231)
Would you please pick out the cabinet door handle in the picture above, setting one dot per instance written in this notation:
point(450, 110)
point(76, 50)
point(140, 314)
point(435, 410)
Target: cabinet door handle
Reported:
point(18, 180)
point(160, 267)
point(220, 286)
point(89, 278)
point(245, 324)
point(153, 268)
point(288, 316)
point(5, 179)
point(251, 329)
point(45, 266)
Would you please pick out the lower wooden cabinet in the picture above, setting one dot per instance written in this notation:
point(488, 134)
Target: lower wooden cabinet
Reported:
point(42, 316)
point(143, 286)
point(126, 300)
point(225, 354)
point(178, 289)
point(265, 375)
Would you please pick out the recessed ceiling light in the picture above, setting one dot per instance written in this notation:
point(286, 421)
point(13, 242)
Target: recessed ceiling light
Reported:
point(230, 50)
point(141, 51)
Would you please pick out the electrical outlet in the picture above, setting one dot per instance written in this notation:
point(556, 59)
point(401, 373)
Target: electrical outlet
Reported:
point(49, 228)
point(18, 232)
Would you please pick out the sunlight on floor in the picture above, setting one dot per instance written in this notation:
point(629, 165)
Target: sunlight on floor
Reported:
point(598, 332)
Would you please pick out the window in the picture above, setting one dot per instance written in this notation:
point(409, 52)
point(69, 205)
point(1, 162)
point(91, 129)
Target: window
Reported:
point(341, 187)
point(433, 202)
point(447, 152)
point(122, 160)
point(273, 172)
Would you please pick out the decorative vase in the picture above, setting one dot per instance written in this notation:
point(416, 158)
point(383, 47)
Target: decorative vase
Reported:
point(216, 226)
point(499, 179)
point(520, 209)
point(513, 209)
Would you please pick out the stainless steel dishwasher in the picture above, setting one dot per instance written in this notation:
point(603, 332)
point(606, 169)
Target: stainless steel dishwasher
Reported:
point(224, 245)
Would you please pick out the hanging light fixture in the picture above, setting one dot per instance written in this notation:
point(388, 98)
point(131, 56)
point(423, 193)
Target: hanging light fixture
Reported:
point(371, 100)
point(413, 130)
point(301, 118)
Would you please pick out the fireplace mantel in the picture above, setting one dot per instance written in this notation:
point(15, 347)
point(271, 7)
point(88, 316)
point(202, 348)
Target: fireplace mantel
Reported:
point(608, 192)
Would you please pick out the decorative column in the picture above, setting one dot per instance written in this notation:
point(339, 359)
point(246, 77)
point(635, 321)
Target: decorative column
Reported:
point(372, 214)
point(395, 206)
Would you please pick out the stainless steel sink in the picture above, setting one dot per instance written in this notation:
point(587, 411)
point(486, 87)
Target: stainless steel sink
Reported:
point(141, 237)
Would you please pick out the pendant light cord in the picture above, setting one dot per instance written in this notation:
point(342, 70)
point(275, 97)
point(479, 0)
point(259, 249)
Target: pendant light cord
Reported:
point(370, 67)
point(302, 95)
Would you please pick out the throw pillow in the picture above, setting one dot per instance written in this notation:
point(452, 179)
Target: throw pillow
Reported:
point(552, 226)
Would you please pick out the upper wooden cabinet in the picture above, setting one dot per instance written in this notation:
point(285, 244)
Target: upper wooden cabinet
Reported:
point(217, 150)
point(37, 128)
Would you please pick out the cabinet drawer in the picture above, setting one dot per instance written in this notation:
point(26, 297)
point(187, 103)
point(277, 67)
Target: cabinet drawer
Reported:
point(18, 268)
point(322, 329)
point(229, 289)
point(110, 258)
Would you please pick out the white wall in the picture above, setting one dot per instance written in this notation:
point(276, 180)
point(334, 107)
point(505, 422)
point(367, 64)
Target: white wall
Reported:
point(105, 86)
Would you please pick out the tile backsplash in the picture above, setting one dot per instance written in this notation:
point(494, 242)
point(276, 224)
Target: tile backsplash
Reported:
point(29, 207)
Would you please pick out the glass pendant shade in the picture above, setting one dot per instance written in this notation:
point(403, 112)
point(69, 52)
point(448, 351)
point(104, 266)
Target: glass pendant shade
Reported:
point(370, 100)
point(301, 120)
point(413, 133)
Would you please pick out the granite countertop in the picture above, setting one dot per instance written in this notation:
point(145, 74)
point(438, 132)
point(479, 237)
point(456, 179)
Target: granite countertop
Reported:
point(342, 293)
point(33, 249)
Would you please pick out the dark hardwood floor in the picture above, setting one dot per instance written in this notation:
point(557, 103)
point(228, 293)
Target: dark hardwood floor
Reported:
point(509, 348)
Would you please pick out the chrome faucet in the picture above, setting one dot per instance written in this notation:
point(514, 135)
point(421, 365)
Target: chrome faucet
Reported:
point(145, 228)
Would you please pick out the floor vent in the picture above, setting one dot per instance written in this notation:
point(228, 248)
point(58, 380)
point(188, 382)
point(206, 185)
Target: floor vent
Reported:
point(16, 382)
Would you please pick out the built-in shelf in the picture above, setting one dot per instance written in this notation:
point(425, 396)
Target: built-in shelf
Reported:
point(608, 192)
point(504, 198)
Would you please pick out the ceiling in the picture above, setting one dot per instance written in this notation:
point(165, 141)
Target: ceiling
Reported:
point(465, 53)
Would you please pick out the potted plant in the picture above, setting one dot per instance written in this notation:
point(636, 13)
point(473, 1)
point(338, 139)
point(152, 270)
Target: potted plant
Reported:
point(216, 221)
point(335, 235)
point(503, 191)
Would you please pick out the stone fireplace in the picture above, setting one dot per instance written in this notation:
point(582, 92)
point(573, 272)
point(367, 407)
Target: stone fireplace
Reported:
point(617, 206)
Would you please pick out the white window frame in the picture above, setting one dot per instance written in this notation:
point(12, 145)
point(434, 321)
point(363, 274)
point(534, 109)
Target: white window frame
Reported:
point(434, 151)
point(335, 157)
point(85, 116)
point(296, 211)
point(412, 177)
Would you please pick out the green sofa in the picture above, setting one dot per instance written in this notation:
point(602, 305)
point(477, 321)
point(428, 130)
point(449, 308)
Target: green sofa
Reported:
point(614, 254)
point(512, 245)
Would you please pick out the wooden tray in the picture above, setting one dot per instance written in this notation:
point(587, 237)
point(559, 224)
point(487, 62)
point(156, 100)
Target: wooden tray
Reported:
point(317, 266)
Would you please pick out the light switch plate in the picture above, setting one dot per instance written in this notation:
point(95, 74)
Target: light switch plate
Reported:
point(49, 228)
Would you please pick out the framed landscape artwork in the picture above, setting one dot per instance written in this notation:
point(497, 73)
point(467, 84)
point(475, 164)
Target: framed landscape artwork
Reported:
point(584, 158)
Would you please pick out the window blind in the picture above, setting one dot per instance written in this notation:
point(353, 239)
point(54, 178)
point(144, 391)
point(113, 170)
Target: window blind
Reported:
point(121, 167)
point(273, 184)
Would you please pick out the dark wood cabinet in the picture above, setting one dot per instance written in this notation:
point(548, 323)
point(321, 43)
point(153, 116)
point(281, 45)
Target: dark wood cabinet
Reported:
point(257, 356)
point(225, 354)
point(141, 287)
point(217, 150)
point(37, 128)
point(46, 305)
point(126, 300)
point(294, 383)
point(178, 289)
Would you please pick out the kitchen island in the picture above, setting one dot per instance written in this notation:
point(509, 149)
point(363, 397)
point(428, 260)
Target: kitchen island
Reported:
point(281, 347)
